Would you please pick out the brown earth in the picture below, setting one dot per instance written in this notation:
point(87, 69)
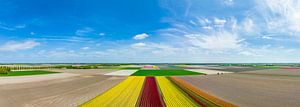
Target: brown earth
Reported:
point(276, 72)
point(63, 92)
point(250, 90)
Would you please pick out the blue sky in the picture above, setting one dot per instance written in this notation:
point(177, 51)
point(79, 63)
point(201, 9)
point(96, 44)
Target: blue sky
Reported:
point(125, 31)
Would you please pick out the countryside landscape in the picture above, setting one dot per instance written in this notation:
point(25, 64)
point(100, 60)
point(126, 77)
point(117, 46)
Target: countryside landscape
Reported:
point(160, 85)
point(149, 53)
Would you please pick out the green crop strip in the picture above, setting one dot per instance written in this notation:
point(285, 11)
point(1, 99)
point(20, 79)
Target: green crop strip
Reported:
point(23, 73)
point(164, 73)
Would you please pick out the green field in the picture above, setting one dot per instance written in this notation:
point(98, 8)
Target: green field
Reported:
point(23, 73)
point(164, 73)
point(130, 68)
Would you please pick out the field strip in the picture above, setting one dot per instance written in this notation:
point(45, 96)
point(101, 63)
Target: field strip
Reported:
point(122, 72)
point(34, 78)
point(172, 96)
point(206, 98)
point(150, 95)
point(207, 71)
point(125, 94)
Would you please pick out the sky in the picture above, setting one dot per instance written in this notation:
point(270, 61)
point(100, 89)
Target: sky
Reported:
point(149, 31)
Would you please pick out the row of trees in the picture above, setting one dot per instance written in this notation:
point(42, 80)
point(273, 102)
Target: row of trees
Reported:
point(4, 70)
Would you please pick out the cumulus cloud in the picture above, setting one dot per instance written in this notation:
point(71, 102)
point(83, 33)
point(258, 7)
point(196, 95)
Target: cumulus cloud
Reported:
point(140, 36)
point(16, 46)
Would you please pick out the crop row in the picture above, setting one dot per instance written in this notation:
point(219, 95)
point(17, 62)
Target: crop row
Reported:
point(125, 94)
point(160, 91)
point(172, 96)
point(202, 98)
point(150, 96)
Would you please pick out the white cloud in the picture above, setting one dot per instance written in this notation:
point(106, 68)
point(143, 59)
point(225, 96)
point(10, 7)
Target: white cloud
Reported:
point(140, 36)
point(85, 48)
point(6, 27)
point(84, 31)
point(20, 26)
point(15, 46)
point(266, 37)
point(248, 25)
point(218, 41)
point(32, 33)
point(247, 53)
point(207, 23)
point(138, 45)
point(207, 27)
point(280, 15)
point(102, 34)
point(219, 22)
point(228, 2)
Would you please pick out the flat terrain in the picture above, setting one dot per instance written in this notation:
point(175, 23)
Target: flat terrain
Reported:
point(250, 90)
point(164, 73)
point(69, 91)
point(84, 71)
point(276, 72)
point(121, 72)
point(228, 68)
point(208, 71)
point(32, 72)
point(34, 78)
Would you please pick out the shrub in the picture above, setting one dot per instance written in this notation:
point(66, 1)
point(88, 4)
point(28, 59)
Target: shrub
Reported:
point(4, 70)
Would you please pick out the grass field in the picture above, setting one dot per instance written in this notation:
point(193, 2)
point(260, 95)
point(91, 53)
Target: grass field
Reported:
point(22, 73)
point(164, 73)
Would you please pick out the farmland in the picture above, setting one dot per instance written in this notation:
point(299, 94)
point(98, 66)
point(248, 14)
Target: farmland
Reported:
point(55, 90)
point(164, 72)
point(150, 96)
point(157, 91)
point(24, 73)
point(248, 90)
point(169, 86)
point(124, 94)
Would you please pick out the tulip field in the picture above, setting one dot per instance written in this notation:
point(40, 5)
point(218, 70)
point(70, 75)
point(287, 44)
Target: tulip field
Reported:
point(125, 94)
point(155, 91)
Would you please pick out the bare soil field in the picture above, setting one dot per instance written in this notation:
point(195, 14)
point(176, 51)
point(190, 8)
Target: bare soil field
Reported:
point(34, 78)
point(63, 92)
point(84, 71)
point(276, 72)
point(240, 69)
point(250, 90)
point(224, 68)
point(215, 67)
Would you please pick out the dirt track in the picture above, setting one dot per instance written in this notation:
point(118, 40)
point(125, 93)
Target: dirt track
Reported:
point(251, 90)
point(65, 92)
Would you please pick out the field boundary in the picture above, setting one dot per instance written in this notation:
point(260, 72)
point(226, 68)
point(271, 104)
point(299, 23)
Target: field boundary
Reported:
point(203, 94)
